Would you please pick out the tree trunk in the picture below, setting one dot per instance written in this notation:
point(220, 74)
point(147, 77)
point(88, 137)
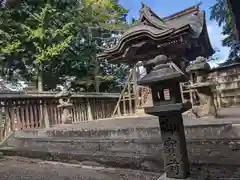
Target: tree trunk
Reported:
point(95, 61)
point(96, 73)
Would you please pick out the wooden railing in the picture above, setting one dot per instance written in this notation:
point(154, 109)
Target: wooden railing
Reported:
point(31, 110)
point(21, 111)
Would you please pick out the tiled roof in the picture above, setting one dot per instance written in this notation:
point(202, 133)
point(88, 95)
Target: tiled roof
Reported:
point(190, 21)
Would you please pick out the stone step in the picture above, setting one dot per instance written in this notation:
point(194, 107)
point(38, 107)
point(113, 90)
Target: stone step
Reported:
point(220, 152)
point(104, 159)
point(201, 131)
point(151, 146)
point(136, 146)
point(138, 141)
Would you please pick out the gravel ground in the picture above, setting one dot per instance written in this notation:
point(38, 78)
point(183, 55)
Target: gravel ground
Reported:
point(18, 168)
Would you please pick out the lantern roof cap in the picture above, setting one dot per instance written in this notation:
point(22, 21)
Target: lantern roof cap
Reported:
point(161, 72)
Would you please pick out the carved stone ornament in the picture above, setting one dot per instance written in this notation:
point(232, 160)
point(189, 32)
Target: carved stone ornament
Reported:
point(200, 64)
point(64, 101)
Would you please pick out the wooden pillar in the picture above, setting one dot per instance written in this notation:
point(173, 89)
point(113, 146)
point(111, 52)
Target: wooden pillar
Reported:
point(218, 94)
point(45, 115)
point(135, 87)
point(89, 111)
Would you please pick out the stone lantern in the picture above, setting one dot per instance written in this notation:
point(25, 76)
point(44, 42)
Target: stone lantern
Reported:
point(203, 96)
point(168, 106)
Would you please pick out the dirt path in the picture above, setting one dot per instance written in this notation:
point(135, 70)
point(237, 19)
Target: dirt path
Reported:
point(18, 168)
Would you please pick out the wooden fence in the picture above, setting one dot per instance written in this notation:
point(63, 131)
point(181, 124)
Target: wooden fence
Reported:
point(21, 111)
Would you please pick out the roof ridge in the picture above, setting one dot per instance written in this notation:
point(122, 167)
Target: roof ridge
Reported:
point(151, 16)
point(183, 12)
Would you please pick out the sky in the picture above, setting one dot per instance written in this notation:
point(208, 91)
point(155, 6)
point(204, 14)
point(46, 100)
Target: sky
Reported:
point(167, 7)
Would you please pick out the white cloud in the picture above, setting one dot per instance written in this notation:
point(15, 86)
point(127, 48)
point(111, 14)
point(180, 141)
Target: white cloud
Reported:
point(214, 32)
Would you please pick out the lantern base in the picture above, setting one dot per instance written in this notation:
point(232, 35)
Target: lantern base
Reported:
point(168, 108)
point(164, 177)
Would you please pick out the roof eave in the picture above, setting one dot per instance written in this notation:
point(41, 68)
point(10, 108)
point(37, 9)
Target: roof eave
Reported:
point(172, 35)
point(130, 37)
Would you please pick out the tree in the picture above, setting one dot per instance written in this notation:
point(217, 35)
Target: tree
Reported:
point(56, 41)
point(48, 41)
point(221, 13)
point(99, 31)
point(36, 38)
point(11, 68)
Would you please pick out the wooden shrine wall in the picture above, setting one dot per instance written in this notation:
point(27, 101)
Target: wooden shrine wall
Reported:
point(228, 80)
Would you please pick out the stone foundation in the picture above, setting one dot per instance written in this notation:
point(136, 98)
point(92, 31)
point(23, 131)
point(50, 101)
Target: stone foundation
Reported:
point(138, 148)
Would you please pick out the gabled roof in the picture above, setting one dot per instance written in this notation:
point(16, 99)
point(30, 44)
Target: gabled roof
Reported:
point(190, 21)
point(147, 14)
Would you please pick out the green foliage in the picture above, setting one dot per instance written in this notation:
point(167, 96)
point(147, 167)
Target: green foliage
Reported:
point(11, 47)
point(221, 13)
point(47, 39)
point(58, 40)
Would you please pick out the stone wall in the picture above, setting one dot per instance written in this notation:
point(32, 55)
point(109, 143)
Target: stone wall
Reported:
point(228, 79)
point(138, 148)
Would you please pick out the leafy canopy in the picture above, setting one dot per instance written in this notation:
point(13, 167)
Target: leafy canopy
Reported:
point(221, 13)
point(56, 41)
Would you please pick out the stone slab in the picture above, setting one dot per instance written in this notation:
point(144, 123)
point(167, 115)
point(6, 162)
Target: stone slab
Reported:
point(221, 152)
point(203, 131)
point(164, 177)
point(226, 116)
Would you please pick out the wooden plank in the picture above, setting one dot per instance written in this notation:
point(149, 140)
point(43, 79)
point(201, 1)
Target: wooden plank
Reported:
point(22, 114)
point(18, 117)
point(124, 105)
point(31, 115)
point(46, 114)
point(89, 111)
point(36, 115)
point(129, 98)
point(122, 93)
point(181, 89)
point(135, 88)
point(27, 117)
